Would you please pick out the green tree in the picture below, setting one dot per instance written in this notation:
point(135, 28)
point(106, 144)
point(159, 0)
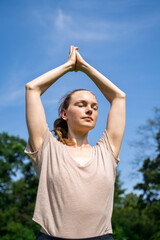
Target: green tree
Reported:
point(118, 229)
point(18, 186)
point(151, 177)
point(149, 199)
point(137, 217)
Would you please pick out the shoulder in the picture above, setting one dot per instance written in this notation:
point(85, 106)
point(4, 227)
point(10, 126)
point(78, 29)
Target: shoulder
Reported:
point(46, 139)
point(105, 145)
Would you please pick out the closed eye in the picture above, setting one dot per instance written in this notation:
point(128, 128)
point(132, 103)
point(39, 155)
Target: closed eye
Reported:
point(80, 105)
point(95, 108)
point(84, 104)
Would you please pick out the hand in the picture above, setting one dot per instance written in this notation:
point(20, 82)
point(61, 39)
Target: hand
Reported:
point(72, 57)
point(79, 62)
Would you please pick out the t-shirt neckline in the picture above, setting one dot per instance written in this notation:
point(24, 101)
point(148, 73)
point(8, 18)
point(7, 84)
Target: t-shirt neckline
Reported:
point(77, 163)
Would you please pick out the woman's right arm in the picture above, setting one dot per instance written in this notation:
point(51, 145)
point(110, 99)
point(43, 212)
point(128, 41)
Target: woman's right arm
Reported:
point(35, 115)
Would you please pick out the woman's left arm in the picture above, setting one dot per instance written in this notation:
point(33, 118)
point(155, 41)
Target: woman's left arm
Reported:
point(116, 97)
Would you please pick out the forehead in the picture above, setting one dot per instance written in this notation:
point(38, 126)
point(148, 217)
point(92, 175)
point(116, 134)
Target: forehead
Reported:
point(83, 95)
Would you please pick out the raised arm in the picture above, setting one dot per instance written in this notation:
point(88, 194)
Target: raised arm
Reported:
point(117, 98)
point(35, 115)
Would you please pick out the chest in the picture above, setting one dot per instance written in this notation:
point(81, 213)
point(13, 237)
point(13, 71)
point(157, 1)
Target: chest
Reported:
point(82, 156)
point(73, 170)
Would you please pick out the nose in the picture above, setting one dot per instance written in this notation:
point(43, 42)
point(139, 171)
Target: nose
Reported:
point(89, 110)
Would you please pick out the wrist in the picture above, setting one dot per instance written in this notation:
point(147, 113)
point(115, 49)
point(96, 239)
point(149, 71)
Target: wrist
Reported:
point(70, 66)
point(84, 67)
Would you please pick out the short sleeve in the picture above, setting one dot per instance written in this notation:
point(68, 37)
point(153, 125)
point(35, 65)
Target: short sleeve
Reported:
point(36, 155)
point(106, 143)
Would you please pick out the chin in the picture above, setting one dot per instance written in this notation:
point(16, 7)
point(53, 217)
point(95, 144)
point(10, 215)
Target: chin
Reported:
point(86, 128)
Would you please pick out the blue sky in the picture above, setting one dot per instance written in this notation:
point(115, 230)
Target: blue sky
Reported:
point(120, 38)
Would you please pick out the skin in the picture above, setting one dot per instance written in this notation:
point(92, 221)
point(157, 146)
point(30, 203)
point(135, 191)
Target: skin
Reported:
point(78, 127)
point(81, 116)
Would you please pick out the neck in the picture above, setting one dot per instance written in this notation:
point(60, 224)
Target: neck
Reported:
point(79, 138)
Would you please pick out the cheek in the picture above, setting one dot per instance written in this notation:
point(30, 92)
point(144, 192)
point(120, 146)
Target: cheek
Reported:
point(75, 113)
point(96, 115)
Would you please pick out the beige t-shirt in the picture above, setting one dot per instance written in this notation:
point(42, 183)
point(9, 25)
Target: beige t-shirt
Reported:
point(74, 201)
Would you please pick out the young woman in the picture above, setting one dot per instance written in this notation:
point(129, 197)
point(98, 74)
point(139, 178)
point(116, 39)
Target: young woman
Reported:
point(76, 181)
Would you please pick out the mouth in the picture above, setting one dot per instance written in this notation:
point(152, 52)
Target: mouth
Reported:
point(88, 118)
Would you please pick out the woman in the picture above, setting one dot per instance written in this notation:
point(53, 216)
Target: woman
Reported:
point(76, 180)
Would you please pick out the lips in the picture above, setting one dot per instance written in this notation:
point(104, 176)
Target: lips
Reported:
point(88, 118)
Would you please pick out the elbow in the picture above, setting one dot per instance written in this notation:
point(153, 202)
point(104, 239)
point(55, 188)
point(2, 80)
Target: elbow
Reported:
point(30, 86)
point(123, 95)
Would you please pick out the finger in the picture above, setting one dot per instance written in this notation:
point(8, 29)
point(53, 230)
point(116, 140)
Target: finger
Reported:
point(74, 49)
point(71, 49)
point(78, 54)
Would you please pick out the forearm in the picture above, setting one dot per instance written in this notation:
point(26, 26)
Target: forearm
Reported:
point(43, 82)
point(109, 90)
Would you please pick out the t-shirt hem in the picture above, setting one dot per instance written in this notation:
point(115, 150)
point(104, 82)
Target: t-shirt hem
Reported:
point(42, 226)
point(39, 222)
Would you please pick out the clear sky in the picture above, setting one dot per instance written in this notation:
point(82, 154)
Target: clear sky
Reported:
point(120, 38)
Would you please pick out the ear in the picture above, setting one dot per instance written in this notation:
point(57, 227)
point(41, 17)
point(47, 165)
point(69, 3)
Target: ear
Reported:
point(64, 114)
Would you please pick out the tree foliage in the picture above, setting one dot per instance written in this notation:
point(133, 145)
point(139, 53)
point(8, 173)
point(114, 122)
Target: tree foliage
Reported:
point(151, 176)
point(18, 186)
point(138, 216)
